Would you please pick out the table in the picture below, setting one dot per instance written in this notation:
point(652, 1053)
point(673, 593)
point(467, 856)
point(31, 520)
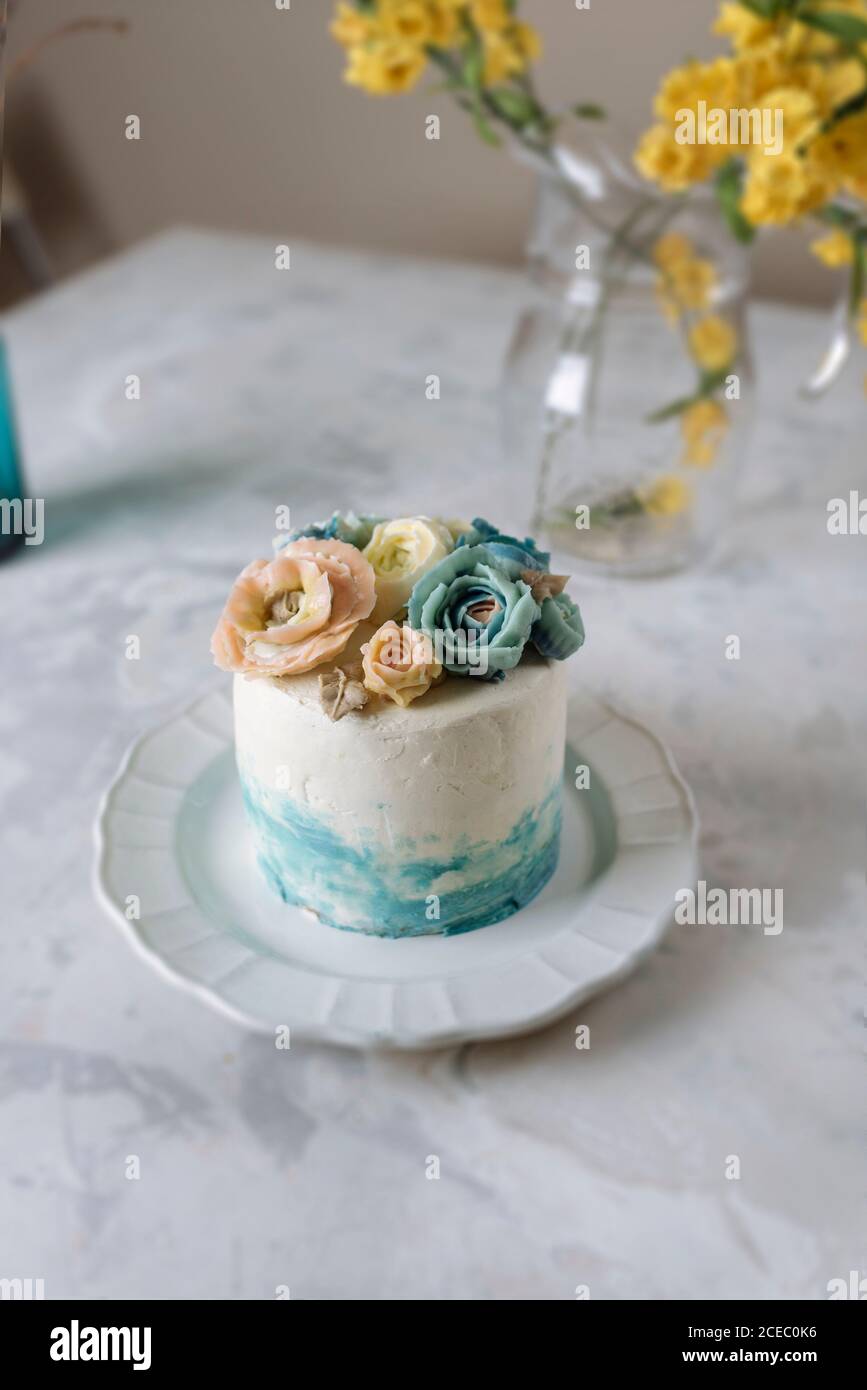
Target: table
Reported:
point(560, 1168)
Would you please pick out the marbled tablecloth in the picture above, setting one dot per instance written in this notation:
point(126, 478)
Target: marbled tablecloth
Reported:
point(263, 1168)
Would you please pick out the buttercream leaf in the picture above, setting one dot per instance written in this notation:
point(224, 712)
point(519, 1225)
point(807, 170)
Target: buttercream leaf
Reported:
point(339, 695)
point(544, 585)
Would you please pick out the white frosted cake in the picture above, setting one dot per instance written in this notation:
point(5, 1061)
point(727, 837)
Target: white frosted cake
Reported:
point(401, 778)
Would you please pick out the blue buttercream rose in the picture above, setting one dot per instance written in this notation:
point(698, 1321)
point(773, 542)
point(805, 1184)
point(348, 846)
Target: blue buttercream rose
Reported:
point(341, 526)
point(478, 614)
point(524, 554)
point(558, 631)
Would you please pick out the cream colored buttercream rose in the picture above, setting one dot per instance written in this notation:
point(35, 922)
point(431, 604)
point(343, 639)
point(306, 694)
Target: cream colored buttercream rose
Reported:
point(400, 552)
point(399, 663)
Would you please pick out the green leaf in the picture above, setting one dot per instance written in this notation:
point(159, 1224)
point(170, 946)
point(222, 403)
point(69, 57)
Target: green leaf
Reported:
point(515, 106)
point(728, 192)
point(847, 108)
point(484, 128)
point(765, 9)
point(711, 381)
point(473, 67)
point(848, 27)
point(708, 383)
point(836, 216)
point(589, 111)
point(667, 412)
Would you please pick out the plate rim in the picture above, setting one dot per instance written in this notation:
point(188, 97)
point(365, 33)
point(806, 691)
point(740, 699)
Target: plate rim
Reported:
point(567, 996)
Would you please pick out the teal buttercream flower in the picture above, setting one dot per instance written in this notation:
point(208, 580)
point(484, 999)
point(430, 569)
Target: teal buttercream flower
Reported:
point(340, 526)
point(524, 554)
point(558, 631)
point(478, 614)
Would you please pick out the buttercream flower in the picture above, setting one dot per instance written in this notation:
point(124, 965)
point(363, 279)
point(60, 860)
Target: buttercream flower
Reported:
point(455, 526)
point(558, 631)
point(341, 526)
point(400, 552)
point(289, 614)
point(525, 554)
point(482, 616)
point(399, 663)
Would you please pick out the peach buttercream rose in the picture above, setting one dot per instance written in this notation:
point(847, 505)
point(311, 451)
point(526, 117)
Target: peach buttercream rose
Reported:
point(399, 663)
point(287, 615)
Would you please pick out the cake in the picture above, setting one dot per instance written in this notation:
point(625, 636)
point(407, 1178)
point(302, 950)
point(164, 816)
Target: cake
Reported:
point(400, 713)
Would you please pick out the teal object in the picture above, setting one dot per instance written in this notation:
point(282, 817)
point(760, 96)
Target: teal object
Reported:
point(11, 481)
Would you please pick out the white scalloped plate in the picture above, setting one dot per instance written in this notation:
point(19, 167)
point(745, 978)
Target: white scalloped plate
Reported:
point(171, 833)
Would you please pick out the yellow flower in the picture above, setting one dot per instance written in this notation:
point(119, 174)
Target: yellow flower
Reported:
point(842, 151)
point(508, 52)
point(668, 496)
point(781, 188)
point(385, 66)
point(399, 663)
point(713, 343)
point(671, 248)
point(410, 20)
point(760, 70)
point(833, 250)
point(745, 29)
point(692, 282)
point(490, 16)
point(444, 21)
point(800, 116)
point(668, 307)
point(527, 40)
point(833, 84)
point(683, 88)
point(803, 41)
point(703, 427)
point(674, 167)
point(350, 27)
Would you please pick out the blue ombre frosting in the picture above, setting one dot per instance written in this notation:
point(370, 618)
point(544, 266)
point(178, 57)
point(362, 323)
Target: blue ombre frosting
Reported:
point(404, 887)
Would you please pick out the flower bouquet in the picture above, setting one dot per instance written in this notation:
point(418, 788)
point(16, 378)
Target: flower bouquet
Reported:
point(631, 473)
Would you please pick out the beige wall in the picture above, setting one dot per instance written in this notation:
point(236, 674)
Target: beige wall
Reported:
point(246, 124)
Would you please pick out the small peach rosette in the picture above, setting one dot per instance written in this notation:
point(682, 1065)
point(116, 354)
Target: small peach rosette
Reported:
point(399, 663)
point(287, 615)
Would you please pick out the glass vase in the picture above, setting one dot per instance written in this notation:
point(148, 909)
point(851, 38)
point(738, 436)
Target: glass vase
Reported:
point(627, 388)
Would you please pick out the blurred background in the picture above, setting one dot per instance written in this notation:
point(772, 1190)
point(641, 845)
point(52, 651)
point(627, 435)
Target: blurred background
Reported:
point(247, 125)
